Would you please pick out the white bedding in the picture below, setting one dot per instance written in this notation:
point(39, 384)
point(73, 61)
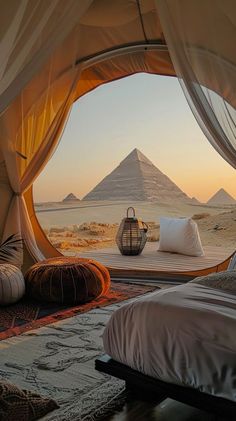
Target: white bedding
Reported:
point(184, 335)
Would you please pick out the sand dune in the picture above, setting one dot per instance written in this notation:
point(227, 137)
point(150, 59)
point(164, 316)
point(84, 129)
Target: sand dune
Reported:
point(62, 214)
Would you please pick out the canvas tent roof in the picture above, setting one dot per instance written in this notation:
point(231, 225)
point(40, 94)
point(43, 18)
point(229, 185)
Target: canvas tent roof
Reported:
point(53, 51)
point(86, 29)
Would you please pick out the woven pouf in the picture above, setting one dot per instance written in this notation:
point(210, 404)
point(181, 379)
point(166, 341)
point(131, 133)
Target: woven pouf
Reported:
point(12, 284)
point(67, 280)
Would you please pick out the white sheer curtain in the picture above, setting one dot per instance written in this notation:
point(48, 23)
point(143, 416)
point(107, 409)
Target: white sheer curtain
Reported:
point(39, 75)
point(17, 219)
point(37, 135)
point(201, 38)
point(30, 32)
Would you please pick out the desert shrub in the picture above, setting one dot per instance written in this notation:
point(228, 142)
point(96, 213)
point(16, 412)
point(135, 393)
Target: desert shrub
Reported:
point(152, 225)
point(152, 238)
point(69, 234)
point(97, 231)
point(198, 216)
point(84, 227)
point(56, 230)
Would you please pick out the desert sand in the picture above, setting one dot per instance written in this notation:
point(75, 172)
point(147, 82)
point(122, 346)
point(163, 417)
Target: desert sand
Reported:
point(97, 223)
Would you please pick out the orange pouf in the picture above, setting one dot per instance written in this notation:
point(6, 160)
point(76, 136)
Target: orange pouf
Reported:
point(67, 280)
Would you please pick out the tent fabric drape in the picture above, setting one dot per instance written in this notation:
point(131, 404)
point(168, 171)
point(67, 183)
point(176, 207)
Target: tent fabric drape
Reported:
point(122, 66)
point(30, 32)
point(38, 76)
point(201, 41)
point(29, 132)
point(40, 144)
point(5, 194)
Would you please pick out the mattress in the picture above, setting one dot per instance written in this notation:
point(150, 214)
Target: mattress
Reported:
point(184, 335)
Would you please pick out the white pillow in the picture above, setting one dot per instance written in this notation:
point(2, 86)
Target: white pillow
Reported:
point(180, 235)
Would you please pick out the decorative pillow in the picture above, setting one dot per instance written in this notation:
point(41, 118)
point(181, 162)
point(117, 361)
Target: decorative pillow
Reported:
point(12, 284)
point(67, 280)
point(22, 405)
point(180, 235)
point(225, 280)
point(232, 263)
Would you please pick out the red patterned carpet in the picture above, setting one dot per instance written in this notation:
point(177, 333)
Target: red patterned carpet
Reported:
point(27, 315)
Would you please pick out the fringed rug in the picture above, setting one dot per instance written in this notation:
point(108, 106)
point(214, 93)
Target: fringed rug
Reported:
point(26, 314)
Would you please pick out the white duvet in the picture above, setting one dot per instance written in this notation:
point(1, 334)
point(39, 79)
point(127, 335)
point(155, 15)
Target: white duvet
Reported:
point(184, 335)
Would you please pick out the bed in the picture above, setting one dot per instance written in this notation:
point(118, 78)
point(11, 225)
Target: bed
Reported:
point(180, 342)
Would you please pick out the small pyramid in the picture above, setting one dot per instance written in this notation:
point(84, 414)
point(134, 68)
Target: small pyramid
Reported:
point(221, 197)
point(136, 178)
point(70, 198)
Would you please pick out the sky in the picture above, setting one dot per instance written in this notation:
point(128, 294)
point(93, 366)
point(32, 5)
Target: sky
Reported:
point(147, 112)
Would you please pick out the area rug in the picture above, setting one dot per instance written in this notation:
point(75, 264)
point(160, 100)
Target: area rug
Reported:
point(58, 361)
point(27, 314)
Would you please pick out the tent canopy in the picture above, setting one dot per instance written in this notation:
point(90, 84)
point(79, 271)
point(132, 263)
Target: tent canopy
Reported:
point(91, 31)
point(53, 52)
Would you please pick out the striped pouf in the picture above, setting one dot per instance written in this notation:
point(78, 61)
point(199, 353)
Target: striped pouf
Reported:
point(67, 280)
point(12, 284)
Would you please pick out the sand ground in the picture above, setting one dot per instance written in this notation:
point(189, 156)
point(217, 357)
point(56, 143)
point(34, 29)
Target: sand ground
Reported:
point(97, 223)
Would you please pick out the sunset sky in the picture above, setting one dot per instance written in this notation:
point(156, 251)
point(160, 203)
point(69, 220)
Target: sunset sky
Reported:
point(142, 111)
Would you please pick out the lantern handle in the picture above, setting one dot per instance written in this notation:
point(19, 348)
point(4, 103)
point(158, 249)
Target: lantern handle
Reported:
point(132, 210)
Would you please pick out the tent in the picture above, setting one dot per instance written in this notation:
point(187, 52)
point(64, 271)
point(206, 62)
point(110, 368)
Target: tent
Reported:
point(53, 52)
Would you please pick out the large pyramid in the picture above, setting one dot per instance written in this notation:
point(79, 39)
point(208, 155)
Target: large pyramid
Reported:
point(221, 197)
point(136, 178)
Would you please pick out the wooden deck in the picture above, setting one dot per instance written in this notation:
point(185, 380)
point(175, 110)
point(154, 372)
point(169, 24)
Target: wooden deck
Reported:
point(153, 264)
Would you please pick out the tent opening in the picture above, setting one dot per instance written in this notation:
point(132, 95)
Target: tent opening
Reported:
point(123, 146)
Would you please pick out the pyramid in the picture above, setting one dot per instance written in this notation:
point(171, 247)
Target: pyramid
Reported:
point(70, 197)
point(221, 197)
point(136, 178)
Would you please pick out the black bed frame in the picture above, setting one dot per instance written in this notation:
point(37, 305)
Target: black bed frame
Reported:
point(157, 390)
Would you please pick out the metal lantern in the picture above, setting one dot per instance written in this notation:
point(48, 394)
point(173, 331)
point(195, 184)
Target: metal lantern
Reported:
point(132, 235)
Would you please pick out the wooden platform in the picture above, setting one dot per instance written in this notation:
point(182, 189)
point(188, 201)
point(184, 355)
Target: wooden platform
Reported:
point(153, 264)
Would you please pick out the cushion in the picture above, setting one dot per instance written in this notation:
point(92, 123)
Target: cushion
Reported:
point(22, 405)
point(180, 235)
point(67, 280)
point(12, 284)
point(232, 263)
point(225, 280)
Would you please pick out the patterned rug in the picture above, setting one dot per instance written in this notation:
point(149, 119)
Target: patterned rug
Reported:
point(26, 314)
point(58, 361)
